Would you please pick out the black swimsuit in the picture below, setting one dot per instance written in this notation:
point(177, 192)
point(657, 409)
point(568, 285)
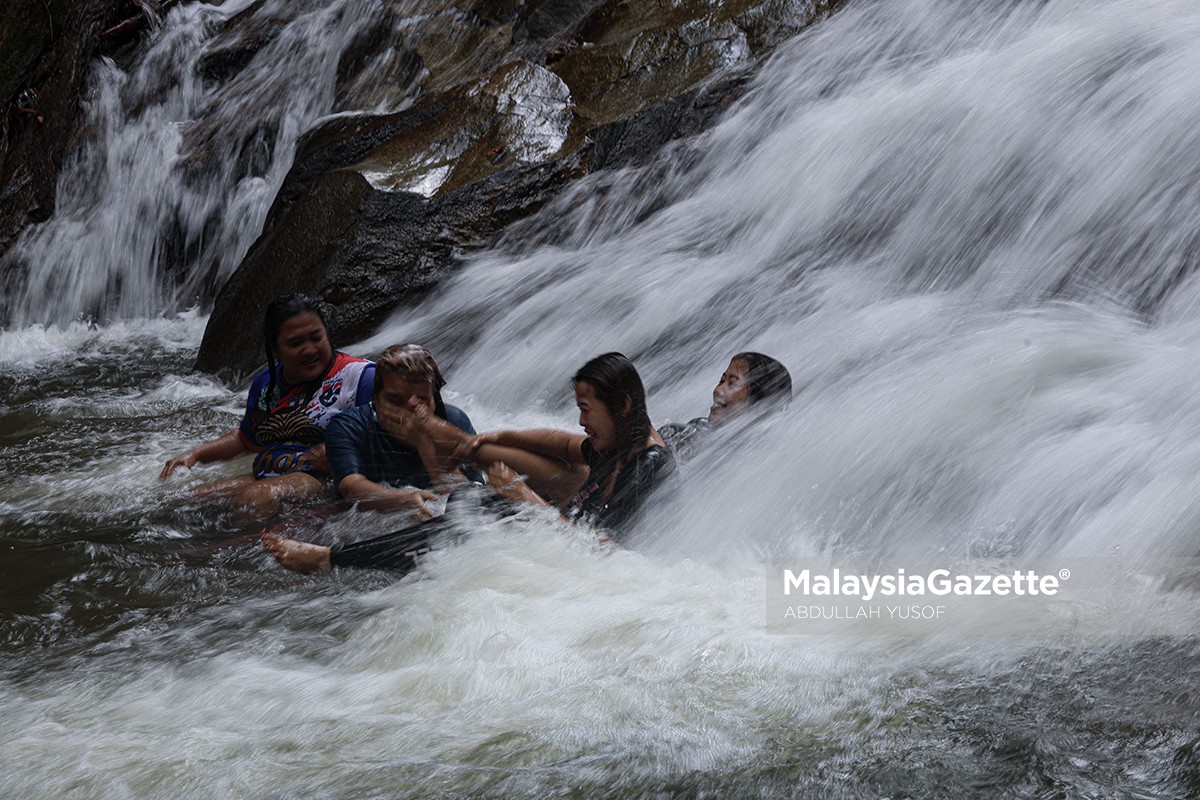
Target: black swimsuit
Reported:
point(634, 482)
point(684, 438)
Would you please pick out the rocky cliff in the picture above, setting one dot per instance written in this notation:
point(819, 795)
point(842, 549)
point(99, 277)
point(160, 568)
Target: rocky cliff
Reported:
point(495, 108)
point(46, 47)
point(514, 102)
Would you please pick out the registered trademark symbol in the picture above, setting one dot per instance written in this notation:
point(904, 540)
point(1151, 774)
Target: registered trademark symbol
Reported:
point(1064, 573)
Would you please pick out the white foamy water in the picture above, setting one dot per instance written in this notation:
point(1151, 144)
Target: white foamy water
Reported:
point(968, 234)
point(175, 177)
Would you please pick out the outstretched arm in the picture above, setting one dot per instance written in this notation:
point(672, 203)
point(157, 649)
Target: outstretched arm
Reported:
point(553, 465)
point(231, 445)
point(378, 497)
point(551, 460)
point(545, 442)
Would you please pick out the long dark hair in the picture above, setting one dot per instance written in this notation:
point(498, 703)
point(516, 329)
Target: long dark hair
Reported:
point(278, 312)
point(768, 380)
point(614, 380)
point(414, 362)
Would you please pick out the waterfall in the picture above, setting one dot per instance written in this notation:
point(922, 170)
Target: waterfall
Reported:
point(181, 156)
point(968, 230)
point(970, 234)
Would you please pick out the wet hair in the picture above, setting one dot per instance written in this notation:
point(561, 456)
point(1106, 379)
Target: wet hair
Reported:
point(278, 312)
point(613, 378)
point(768, 381)
point(415, 363)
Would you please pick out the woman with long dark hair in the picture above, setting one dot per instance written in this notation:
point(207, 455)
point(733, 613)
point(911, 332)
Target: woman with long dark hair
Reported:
point(306, 383)
point(751, 386)
point(603, 476)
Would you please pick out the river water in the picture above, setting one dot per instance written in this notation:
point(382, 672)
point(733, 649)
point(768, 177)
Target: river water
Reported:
point(968, 229)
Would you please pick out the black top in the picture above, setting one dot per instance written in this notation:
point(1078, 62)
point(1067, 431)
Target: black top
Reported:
point(636, 480)
point(355, 444)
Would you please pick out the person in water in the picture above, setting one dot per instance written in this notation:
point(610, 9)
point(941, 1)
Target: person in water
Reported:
point(290, 403)
point(603, 477)
point(376, 451)
point(751, 382)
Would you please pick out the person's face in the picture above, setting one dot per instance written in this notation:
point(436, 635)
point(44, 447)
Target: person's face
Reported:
point(594, 418)
point(732, 394)
point(400, 393)
point(303, 348)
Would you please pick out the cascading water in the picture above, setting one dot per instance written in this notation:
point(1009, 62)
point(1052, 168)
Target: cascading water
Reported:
point(177, 171)
point(965, 228)
point(963, 231)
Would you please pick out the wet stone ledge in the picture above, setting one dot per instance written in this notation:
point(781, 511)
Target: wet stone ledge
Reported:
point(512, 105)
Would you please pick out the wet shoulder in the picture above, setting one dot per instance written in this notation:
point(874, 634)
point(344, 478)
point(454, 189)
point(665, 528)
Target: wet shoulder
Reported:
point(459, 419)
point(682, 438)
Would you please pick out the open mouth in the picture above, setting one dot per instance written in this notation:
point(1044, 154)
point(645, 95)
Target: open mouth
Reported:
point(310, 364)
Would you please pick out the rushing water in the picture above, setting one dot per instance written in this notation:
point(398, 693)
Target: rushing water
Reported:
point(967, 229)
point(177, 170)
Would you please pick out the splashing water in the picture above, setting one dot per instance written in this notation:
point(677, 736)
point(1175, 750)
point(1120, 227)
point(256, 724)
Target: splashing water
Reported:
point(177, 171)
point(967, 232)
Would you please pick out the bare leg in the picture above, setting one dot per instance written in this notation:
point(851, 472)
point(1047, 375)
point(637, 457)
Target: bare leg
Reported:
point(261, 499)
point(298, 556)
point(230, 486)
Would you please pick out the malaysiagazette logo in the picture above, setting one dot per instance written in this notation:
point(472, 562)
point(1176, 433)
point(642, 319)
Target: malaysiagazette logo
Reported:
point(936, 582)
point(985, 596)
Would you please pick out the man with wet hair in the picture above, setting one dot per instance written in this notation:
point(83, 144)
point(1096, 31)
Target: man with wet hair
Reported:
point(379, 455)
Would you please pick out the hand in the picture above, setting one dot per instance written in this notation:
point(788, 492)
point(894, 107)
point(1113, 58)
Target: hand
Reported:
point(416, 500)
point(185, 460)
point(315, 458)
point(508, 484)
point(402, 423)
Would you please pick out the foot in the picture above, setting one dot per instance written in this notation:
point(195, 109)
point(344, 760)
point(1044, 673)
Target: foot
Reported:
point(451, 442)
point(298, 556)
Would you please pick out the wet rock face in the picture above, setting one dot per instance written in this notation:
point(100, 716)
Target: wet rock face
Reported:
point(46, 51)
point(508, 104)
point(45, 47)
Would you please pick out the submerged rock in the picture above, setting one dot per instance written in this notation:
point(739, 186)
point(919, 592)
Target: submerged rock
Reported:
point(511, 105)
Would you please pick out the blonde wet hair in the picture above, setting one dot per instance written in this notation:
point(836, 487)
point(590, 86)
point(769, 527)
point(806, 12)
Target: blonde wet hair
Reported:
point(412, 362)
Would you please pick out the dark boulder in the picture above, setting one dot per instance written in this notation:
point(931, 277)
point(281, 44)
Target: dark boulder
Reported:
point(517, 103)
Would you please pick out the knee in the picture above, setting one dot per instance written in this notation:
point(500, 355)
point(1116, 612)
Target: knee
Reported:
point(257, 499)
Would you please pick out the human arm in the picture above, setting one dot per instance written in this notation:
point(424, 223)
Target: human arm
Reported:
point(231, 445)
point(378, 497)
point(505, 482)
point(551, 460)
point(553, 479)
point(364, 462)
point(545, 442)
